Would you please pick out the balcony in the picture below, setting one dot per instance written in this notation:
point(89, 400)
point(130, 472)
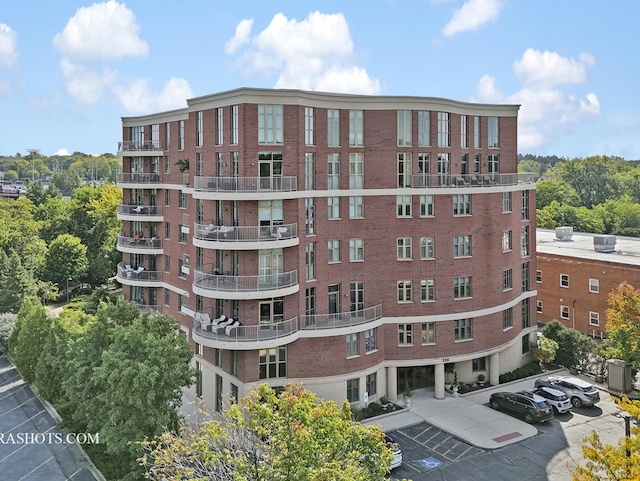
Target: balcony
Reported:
point(342, 319)
point(149, 213)
point(138, 180)
point(148, 308)
point(206, 283)
point(246, 337)
point(211, 236)
point(139, 148)
point(139, 245)
point(244, 188)
point(470, 180)
point(129, 276)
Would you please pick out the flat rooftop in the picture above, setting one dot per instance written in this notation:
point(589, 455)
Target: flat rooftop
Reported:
point(626, 250)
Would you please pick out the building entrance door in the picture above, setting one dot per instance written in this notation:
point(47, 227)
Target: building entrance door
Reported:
point(410, 378)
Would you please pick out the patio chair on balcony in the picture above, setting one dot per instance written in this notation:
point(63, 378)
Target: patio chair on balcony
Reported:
point(232, 327)
point(219, 328)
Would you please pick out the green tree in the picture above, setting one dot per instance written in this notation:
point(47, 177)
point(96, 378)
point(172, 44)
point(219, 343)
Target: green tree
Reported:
point(16, 282)
point(551, 189)
point(67, 258)
point(7, 323)
point(269, 436)
point(66, 181)
point(53, 216)
point(545, 352)
point(623, 324)
point(530, 165)
point(28, 338)
point(595, 178)
point(574, 347)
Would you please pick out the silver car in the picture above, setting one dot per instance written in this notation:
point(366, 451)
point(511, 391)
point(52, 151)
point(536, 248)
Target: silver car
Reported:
point(581, 393)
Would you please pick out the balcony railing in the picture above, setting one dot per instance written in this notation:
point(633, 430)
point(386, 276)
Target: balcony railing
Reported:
point(138, 178)
point(137, 242)
point(245, 184)
point(211, 232)
point(262, 332)
point(205, 278)
point(138, 274)
point(139, 146)
point(342, 319)
point(470, 180)
point(141, 210)
point(148, 308)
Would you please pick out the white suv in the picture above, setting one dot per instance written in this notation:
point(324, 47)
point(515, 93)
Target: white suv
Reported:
point(554, 398)
point(581, 393)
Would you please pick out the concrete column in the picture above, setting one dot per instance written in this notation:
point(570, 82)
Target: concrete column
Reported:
point(494, 369)
point(439, 379)
point(392, 384)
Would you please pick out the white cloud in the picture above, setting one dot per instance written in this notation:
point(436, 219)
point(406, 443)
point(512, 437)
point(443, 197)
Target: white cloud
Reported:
point(546, 111)
point(103, 31)
point(62, 152)
point(138, 97)
point(240, 38)
point(545, 69)
point(87, 86)
point(471, 16)
point(312, 54)
point(8, 43)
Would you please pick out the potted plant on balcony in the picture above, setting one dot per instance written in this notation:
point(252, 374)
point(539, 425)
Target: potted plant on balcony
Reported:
point(182, 164)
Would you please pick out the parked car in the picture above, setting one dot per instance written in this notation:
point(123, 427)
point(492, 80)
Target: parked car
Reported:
point(397, 452)
point(558, 400)
point(581, 393)
point(533, 408)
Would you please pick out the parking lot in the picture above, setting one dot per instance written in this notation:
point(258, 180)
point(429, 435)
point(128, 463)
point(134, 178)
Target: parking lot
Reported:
point(432, 454)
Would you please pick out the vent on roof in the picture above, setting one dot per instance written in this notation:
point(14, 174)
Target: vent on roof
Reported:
point(564, 233)
point(604, 243)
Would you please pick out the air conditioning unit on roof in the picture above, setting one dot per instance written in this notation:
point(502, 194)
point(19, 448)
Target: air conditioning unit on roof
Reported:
point(604, 243)
point(564, 233)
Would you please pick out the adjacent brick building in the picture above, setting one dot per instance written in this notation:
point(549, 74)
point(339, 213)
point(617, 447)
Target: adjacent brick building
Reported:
point(363, 243)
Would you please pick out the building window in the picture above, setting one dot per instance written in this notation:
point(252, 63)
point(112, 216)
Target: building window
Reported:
point(404, 169)
point(479, 364)
point(526, 313)
point(310, 305)
point(310, 216)
point(181, 263)
point(356, 250)
point(353, 390)
point(426, 206)
point(594, 318)
point(507, 240)
point(427, 290)
point(464, 133)
point(372, 384)
point(167, 297)
point(403, 206)
point(310, 261)
point(233, 368)
point(525, 205)
point(167, 263)
point(594, 286)
point(476, 132)
point(356, 296)
point(333, 171)
point(506, 202)
point(424, 169)
point(167, 230)
point(464, 164)
point(526, 286)
point(539, 307)
point(182, 200)
point(461, 287)
point(270, 127)
point(333, 207)
point(463, 329)
point(462, 204)
point(493, 133)
point(564, 312)
point(404, 291)
point(404, 248)
point(273, 363)
point(219, 126)
point(182, 235)
point(333, 251)
point(444, 139)
point(333, 128)
point(309, 126)
point(424, 128)
point(356, 128)
point(199, 129)
point(564, 280)
point(309, 171)
point(539, 276)
point(167, 164)
point(404, 128)
point(507, 279)
point(371, 339)
point(218, 406)
point(405, 336)
point(428, 333)
point(353, 344)
point(181, 135)
point(524, 240)
point(427, 248)
point(493, 163)
point(356, 207)
point(235, 135)
point(235, 393)
point(507, 318)
point(167, 197)
point(462, 246)
point(356, 171)
point(218, 358)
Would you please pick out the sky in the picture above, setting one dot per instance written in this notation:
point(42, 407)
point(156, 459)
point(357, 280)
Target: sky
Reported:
point(69, 74)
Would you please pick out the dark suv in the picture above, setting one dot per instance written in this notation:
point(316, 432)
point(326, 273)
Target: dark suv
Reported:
point(533, 407)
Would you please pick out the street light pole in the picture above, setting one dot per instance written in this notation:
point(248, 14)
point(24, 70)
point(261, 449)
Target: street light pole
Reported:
point(33, 153)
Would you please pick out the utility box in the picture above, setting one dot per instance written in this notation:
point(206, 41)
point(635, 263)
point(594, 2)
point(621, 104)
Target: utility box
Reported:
point(620, 379)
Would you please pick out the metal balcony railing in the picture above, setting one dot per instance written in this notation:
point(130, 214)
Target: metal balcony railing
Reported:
point(245, 184)
point(138, 273)
point(139, 146)
point(255, 333)
point(138, 178)
point(141, 210)
point(139, 242)
point(470, 180)
point(207, 230)
point(206, 278)
point(342, 319)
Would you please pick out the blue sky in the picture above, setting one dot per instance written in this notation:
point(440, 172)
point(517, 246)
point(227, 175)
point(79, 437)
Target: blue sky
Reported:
point(68, 74)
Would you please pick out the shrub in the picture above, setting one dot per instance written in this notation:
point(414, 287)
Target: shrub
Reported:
point(7, 322)
point(384, 400)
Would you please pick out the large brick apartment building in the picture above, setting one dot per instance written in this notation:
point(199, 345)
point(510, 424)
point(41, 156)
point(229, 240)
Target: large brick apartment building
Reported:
point(360, 243)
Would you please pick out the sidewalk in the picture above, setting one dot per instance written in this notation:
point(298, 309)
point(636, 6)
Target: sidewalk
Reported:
point(468, 418)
